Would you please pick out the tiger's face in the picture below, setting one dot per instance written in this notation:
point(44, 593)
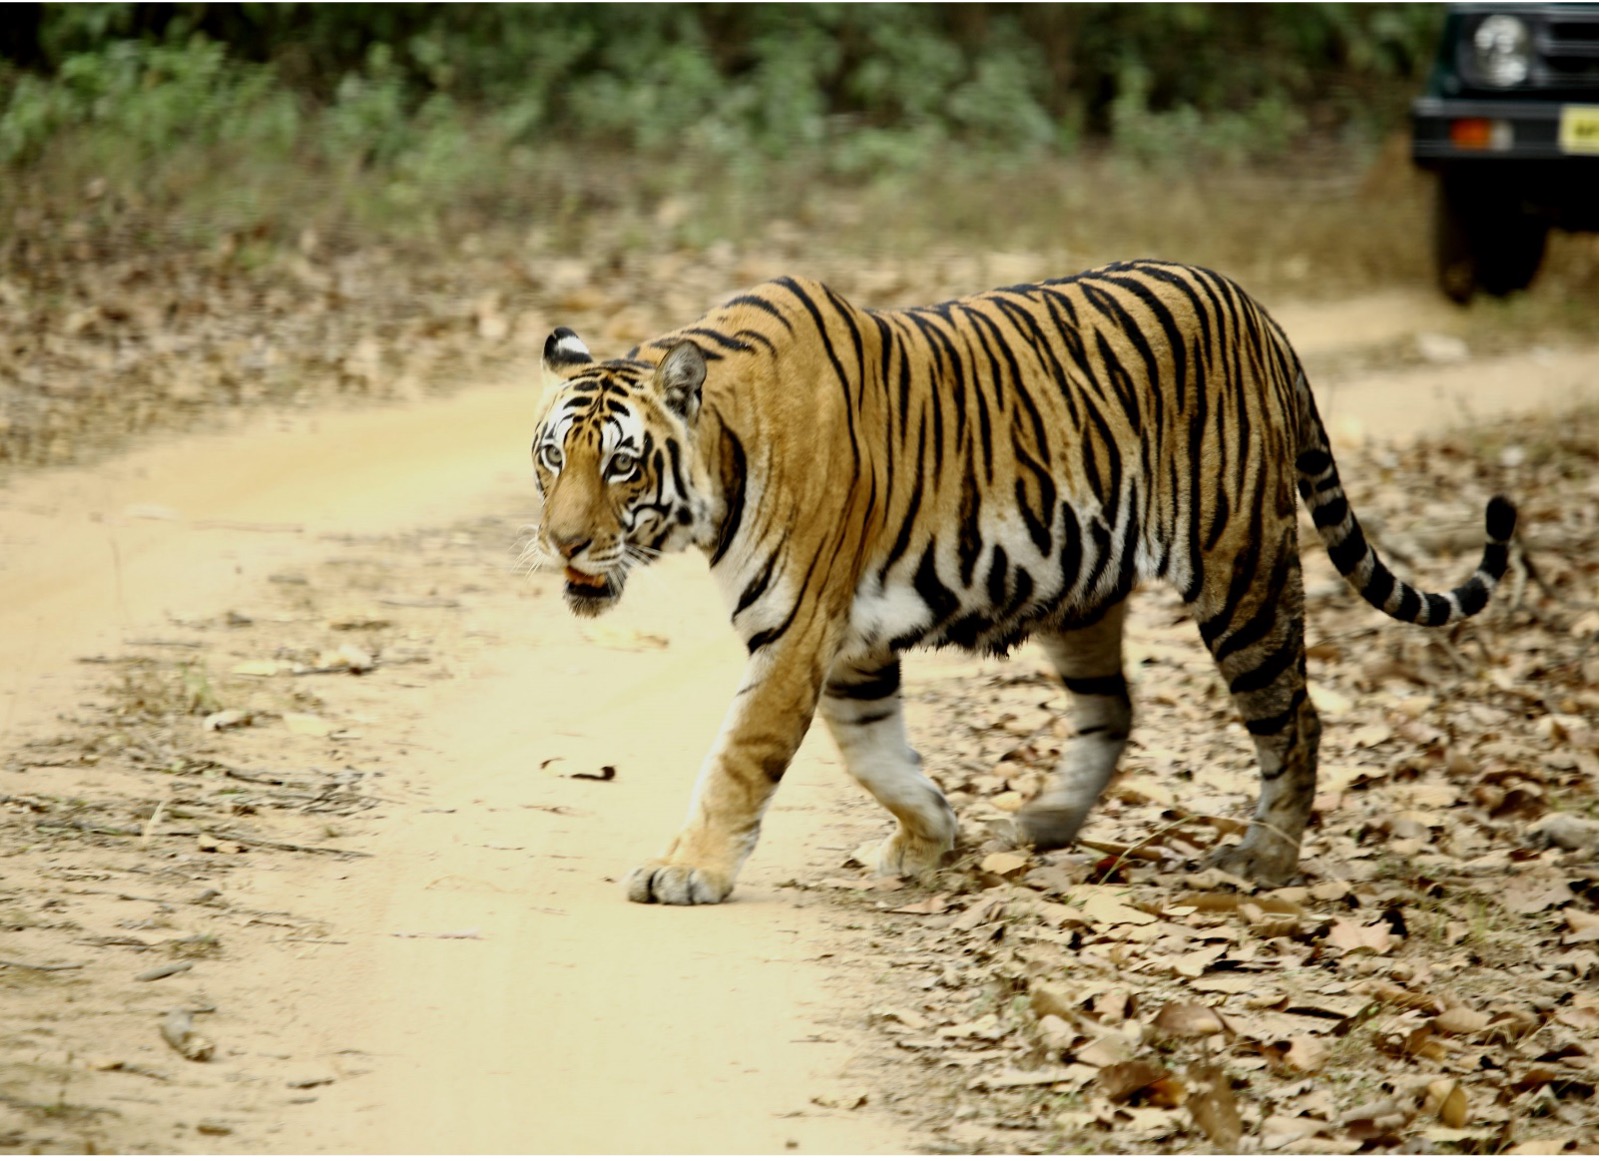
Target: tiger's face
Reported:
point(615, 467)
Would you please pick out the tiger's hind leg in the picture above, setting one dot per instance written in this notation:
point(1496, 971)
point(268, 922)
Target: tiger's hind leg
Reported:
point(862, 705)
point(1089, 664)
point(1253, 625)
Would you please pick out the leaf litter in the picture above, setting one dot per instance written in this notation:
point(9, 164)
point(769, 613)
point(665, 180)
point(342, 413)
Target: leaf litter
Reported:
point(1430, 982)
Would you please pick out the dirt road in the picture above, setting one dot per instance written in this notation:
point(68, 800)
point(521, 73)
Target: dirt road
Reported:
point(569, 1021)
point(477, 983)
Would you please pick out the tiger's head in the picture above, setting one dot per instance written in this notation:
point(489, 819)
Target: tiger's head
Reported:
point(616, 467)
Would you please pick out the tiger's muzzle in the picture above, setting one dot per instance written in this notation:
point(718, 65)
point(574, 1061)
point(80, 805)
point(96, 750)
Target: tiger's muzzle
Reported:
point(591, 594)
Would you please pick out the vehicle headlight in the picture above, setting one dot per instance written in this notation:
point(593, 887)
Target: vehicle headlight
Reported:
point(1503, 50)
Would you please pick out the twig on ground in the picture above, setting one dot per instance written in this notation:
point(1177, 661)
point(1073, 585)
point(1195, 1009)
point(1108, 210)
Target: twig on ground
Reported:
point(250, 840)
point(152, 823)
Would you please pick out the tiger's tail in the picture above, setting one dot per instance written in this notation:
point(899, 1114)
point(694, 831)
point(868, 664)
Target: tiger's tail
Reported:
point(1357, 561)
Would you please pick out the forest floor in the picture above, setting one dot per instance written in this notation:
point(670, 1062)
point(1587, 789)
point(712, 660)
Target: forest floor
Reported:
point(313, 808)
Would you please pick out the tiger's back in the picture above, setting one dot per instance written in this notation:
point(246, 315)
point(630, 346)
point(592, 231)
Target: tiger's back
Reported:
point(995, 467)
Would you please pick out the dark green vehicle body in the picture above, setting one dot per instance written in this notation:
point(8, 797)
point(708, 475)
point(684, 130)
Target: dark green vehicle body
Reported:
point(1509, 124)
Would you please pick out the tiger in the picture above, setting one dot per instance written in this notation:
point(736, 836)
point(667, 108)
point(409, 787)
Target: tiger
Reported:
point(972, 473)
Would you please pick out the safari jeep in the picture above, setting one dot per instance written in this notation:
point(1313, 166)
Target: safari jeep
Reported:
point(1509, 124)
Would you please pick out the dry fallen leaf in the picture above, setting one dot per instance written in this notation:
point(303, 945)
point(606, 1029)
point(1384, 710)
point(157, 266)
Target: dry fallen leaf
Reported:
point(1105, 1052)
point(846, 1099)
point(1460, 1022)
point(1539, 1147)
point(1194, 964)
point(1368, 737)
point(934, 905)
point(1232, 985)
point(843, 884)
point(1078, 1075)
point(1305, 1054)
point(988, 1027)
point(1103, 905)
point(227, 719)
point(1150, 1124)
point(1211, 901)
point(1008, 801)
point(1582, 926)
point(1376, 1119)
point(1120, 1082)
point(1347, 936)
point(1585, 1019)
point(1187, 1020)
point(983, 910)
point(1047, 1000)
point(1446, 1101)
point(1529, 896)
point(1056, 1034)
point(212, 844)
point(1005, 864)
point(903, 1016)
point(1277, 1132)
point(1213, 1107)
point(1421, 1043)
point(1328, 701)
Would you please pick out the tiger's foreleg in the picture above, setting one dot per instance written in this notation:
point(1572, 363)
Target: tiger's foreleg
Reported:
point(1088, 660)
point(862, 706)
point(762, 730)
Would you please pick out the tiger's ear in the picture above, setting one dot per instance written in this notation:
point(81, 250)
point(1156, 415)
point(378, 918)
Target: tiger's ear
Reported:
point(679, 380)
point(565, 350)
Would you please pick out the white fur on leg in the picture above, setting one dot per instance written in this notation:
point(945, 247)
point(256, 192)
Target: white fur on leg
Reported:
point(870, 737)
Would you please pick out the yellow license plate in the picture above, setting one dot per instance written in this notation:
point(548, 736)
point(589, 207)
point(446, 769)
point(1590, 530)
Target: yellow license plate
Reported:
point(1578, 129)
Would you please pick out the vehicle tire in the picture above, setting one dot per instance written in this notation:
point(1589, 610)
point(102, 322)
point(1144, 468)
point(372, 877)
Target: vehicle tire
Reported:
point(1484, 240)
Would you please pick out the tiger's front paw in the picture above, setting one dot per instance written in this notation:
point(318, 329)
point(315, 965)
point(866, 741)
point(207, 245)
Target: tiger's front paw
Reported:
point(662, 882)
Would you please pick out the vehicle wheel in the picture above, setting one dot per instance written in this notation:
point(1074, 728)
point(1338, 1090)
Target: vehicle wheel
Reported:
point(1484, 241)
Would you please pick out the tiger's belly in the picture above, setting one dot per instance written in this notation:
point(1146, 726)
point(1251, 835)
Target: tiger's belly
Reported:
point(895, 617)
point(989, 592)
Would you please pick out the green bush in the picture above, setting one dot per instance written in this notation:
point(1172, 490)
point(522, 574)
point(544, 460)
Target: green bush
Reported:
point(151, 97)
point(413, 112)
point(776, 78)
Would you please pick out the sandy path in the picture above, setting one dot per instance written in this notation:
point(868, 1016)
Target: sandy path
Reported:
point(580, 1023)
point(86, 555)
point(574, 1022)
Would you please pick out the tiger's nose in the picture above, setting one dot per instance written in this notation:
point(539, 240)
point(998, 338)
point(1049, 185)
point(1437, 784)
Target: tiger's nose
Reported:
point(569, 546)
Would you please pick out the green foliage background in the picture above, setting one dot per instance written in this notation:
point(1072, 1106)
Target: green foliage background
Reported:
point(679, 124)
point(859, 87)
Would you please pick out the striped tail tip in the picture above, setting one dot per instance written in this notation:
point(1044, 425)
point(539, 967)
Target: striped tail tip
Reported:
point(1500, 519)
point(1472, 596)
point(1384, 590)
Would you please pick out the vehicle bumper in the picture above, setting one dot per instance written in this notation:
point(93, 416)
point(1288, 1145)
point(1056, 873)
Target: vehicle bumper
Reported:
point(1522, 131)
point(1532, 162)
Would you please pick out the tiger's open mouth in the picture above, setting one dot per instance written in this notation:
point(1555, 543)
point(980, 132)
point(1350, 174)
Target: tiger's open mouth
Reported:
point(587, 594)
point(584, 580)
